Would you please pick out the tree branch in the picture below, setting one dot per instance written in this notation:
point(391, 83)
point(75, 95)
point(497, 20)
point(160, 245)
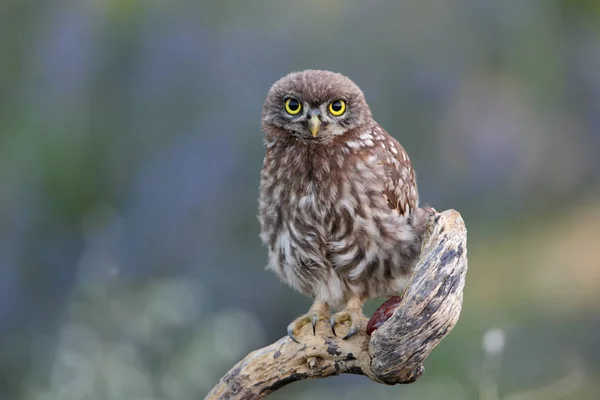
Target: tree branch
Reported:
point(395, 352)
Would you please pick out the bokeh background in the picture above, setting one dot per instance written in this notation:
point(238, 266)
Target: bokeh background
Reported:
point(130, 150)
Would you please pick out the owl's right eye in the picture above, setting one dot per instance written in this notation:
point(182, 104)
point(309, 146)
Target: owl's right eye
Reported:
point(292, 106)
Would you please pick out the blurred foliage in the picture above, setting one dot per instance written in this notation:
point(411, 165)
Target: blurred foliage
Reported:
point(130, 150)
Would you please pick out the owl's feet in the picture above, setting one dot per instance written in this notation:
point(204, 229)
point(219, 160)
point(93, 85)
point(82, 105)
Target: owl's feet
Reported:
point(319, 311)
point(354, 315)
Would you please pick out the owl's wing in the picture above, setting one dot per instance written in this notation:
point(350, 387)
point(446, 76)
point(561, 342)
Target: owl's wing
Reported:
point(400, 187)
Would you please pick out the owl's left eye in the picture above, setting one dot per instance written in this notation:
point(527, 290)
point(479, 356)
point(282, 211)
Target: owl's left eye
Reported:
point(337, 107)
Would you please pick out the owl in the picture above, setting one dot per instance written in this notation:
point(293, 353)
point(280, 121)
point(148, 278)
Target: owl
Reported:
point(338, 201)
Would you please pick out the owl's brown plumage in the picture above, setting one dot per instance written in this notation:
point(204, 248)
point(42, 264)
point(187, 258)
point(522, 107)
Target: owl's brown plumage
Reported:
point(338, 197)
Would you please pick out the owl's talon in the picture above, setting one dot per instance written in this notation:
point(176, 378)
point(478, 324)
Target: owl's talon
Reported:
point(290, 332)
point(332, 323)
point(294, 327)
point(319, 311)
point(351, 332)
point(355, 316)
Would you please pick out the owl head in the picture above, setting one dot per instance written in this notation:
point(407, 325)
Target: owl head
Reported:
point(315, 105)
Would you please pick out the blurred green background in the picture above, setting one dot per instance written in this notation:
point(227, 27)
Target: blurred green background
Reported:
point(130, 150)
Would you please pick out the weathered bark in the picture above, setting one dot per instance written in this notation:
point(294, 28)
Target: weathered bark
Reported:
point(394, 353)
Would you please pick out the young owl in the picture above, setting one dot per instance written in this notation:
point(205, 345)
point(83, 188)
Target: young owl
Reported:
point(338, 206)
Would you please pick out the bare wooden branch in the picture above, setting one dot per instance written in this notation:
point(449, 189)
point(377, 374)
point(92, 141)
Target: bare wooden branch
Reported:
point(395, 353)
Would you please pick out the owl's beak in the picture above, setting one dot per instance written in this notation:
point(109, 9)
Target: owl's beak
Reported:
point(314, 123)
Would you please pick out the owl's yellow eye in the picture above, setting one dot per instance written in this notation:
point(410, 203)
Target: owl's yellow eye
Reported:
point(292, 106)
point(337, 107)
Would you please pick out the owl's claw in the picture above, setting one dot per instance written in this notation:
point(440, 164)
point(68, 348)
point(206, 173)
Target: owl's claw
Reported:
point(290, 332)
point(332, 323)
point(354, 315)
point(319, 311)
point(351, 332)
